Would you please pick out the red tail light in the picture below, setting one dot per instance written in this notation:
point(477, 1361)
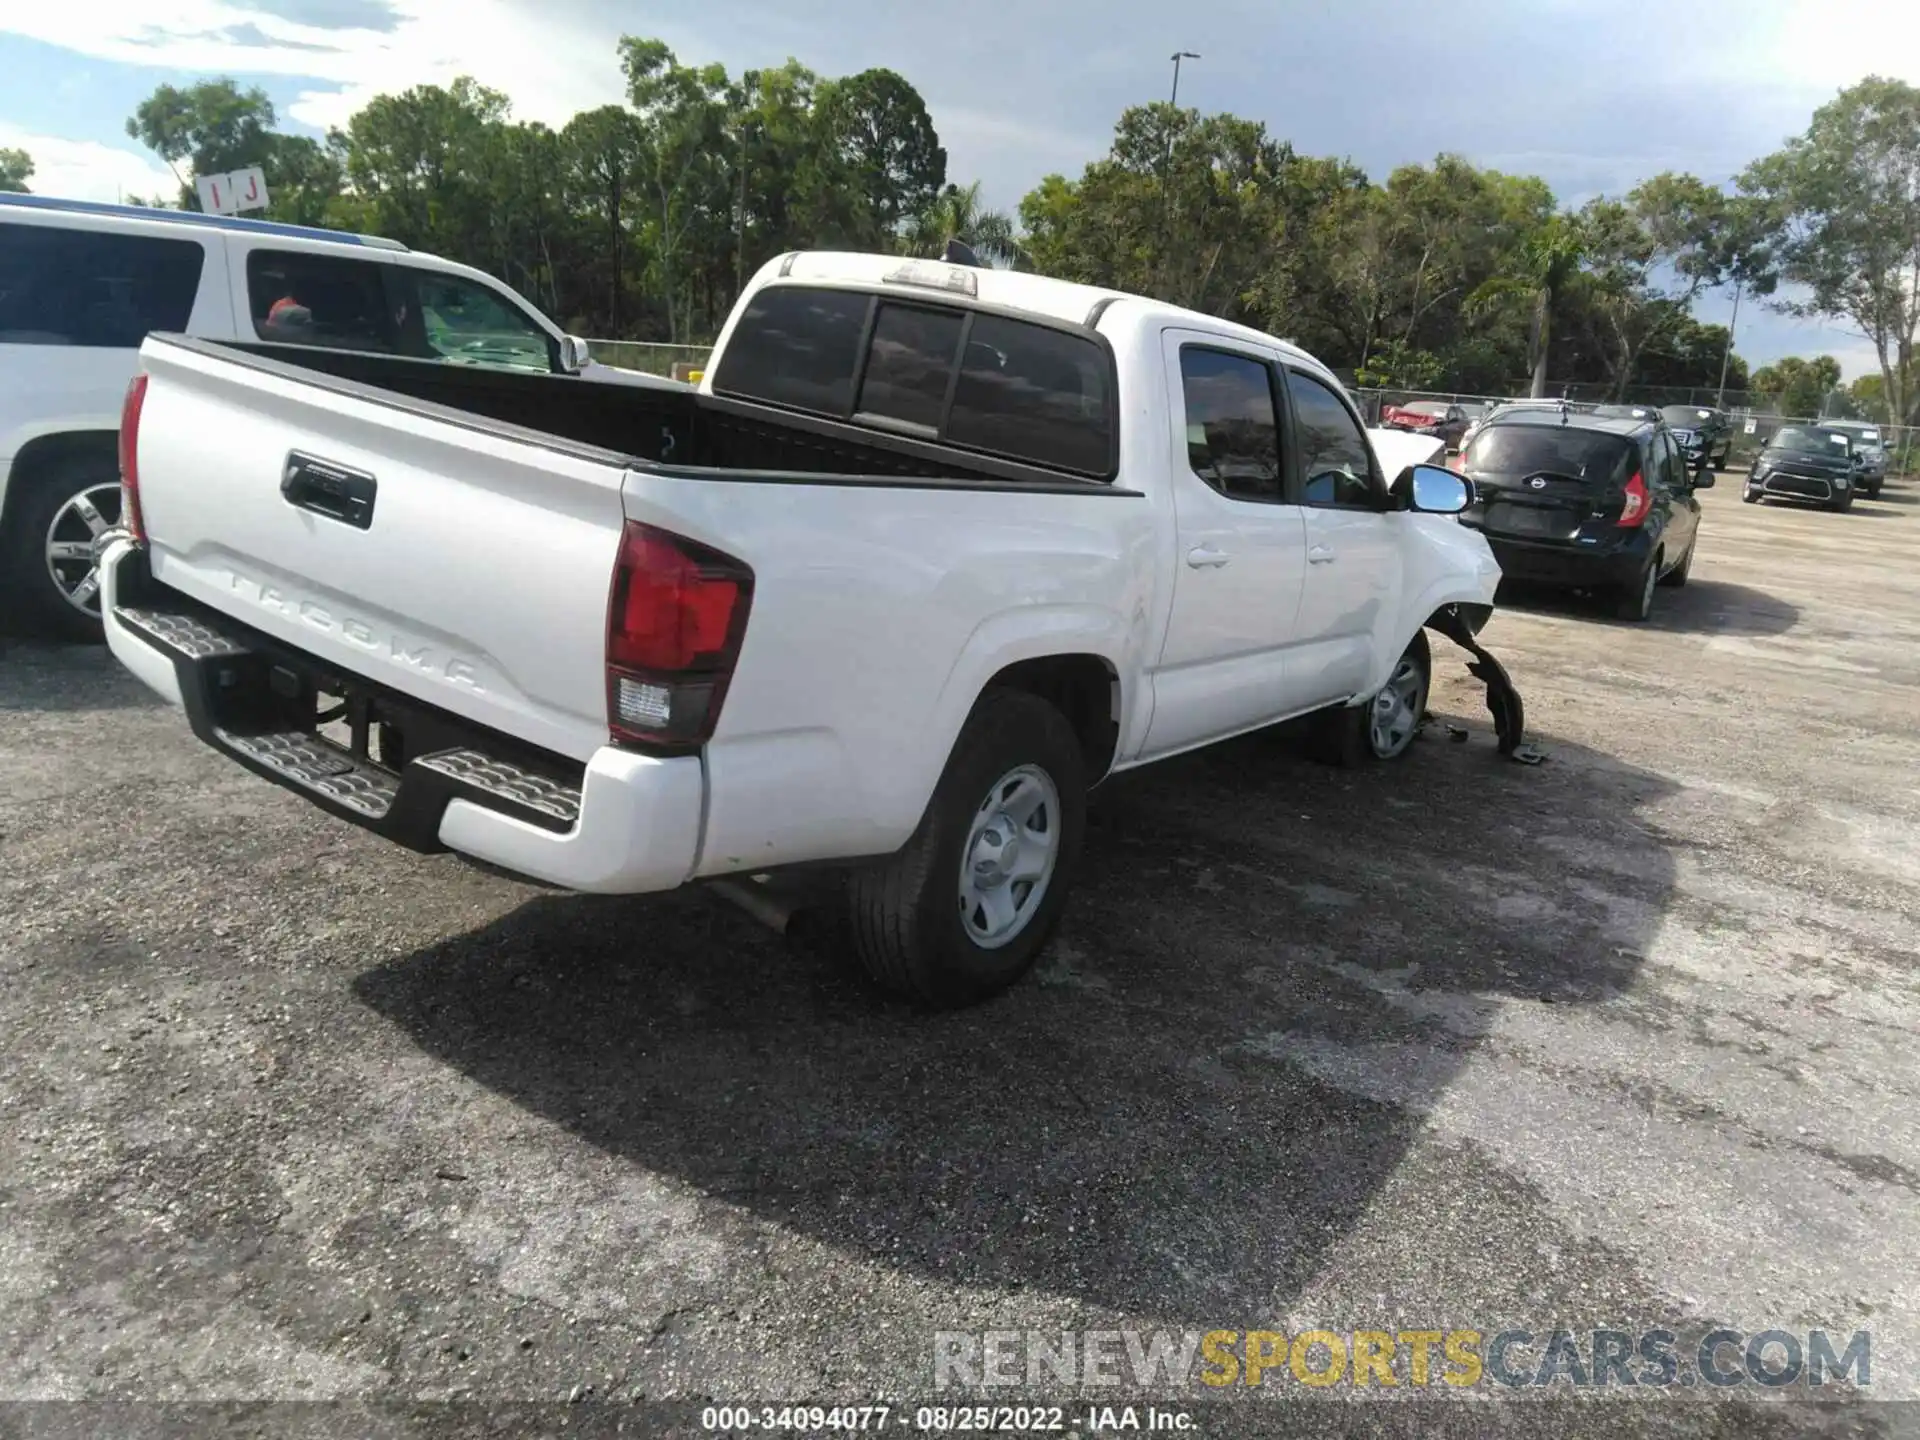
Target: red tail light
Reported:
point(1634, 508)
point(676, 616)
point(130, 515)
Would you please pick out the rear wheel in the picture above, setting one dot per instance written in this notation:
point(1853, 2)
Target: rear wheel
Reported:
point(50, 550)
point(1636, 602)
point(964, 908)
point(1677, 576)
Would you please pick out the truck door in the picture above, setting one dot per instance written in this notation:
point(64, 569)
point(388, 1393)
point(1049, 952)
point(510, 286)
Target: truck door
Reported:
point(1239, 553)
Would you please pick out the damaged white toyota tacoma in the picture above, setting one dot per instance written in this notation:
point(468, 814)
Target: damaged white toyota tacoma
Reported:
point(931, 550)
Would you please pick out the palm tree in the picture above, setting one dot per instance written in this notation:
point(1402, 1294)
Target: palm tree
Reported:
point(1548, 261)
point(956, 213)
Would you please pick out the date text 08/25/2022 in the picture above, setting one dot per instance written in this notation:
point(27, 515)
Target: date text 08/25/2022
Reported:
point(943, 1419)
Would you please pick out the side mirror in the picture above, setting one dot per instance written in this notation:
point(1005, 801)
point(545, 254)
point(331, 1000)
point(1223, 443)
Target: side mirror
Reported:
point(574, 355)
point(1435, 490)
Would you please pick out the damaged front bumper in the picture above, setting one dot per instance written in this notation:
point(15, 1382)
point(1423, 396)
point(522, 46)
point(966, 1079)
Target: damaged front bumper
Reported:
point(1503, 700)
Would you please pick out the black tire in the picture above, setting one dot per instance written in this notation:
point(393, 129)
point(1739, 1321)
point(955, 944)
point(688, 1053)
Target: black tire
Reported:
point(41, 603)
point(1677, 576)
point(1873, 490)
point(1843, 504)
point(1636, 600)
point(1750, 495)
point(906, 911)
point(1345, 737)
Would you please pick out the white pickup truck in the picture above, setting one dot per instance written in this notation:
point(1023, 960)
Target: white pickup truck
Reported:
point(931, 550)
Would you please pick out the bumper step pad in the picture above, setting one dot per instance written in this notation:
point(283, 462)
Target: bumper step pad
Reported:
point(406, 807)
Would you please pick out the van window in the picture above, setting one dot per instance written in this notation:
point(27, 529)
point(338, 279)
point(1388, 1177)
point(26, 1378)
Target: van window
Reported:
point(297, 298)
point(61, 286)
point(1023, 391)
point(470, 324)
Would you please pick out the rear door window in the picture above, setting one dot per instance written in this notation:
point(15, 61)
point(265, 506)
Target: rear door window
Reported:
point(1006, 387)
point(1233, 432)
point(61, 286)
point(301, 299)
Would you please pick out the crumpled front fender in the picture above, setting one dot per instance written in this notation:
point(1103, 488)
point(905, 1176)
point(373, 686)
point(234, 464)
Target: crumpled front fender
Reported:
point(1503, 699)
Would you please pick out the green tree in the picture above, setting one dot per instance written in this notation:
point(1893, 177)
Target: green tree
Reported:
point(958, 213)
point(1797, 387)
point(683, 177)
point(16, 167)
point(213, 126)
point(602, 149)
point(878, 125)
point(1649, 256)
point(1846, 198)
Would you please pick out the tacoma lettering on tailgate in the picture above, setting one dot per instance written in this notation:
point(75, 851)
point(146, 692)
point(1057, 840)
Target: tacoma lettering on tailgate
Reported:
point(380, 640)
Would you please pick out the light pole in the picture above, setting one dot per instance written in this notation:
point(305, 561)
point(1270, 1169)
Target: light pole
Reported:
point(1178, 56)
point(1720, 395)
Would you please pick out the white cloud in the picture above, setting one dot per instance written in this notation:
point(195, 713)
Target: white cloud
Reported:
point(86, 169)
point(551, 67)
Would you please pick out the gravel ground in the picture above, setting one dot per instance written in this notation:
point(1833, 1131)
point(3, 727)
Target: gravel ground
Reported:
point(1625, 1040)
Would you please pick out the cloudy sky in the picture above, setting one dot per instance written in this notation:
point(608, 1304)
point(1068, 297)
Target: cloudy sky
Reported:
point(1591, 94)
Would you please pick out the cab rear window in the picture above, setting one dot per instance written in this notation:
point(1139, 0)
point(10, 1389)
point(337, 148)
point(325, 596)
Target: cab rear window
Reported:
point(993, 383)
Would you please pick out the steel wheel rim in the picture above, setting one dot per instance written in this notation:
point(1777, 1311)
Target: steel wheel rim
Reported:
point(76, 526)
point(1396, 710)
point(1008, 861)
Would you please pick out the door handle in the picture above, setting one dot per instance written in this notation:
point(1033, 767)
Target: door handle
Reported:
point(1205, 557)
point(1320, 555)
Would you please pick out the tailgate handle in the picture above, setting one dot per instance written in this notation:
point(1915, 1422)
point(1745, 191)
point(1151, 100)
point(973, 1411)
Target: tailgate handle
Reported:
point(338, 492)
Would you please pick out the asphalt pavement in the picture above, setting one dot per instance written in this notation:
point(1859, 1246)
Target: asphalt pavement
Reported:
point(1626, 1040)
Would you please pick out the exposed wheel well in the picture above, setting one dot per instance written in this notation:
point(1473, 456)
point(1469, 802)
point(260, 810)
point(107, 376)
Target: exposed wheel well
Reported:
point(1085, 689)
point(47, 453)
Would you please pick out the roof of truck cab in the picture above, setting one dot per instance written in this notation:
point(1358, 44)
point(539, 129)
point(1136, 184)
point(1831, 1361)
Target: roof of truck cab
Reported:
point(1018, 290)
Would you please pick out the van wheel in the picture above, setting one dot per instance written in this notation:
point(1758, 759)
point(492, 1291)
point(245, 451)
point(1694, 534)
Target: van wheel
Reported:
point(965, 907)
point(1386, 726)
point(1636, 602)
point(50, 548)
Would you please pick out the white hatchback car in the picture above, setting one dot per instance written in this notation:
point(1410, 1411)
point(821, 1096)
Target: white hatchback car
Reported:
point(81, 285)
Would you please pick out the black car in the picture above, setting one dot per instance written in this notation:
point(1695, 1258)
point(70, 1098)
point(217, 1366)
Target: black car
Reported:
point(1701, 431)
point(1807, 462)
point(1589, 502)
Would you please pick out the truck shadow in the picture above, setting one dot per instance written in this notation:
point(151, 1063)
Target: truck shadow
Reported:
point(1269, 972)
point(37, 675)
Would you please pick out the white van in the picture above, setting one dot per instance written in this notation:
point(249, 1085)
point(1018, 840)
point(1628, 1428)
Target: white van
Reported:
point(81, 285)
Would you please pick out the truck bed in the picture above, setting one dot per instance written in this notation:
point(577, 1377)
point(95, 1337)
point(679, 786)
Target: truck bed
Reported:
point(670, 424)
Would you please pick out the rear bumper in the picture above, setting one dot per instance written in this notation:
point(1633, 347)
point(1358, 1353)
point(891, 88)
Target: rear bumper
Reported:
point(1574, 566)
point(624, 823)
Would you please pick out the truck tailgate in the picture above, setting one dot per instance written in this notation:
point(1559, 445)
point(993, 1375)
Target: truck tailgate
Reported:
point(462, 561)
